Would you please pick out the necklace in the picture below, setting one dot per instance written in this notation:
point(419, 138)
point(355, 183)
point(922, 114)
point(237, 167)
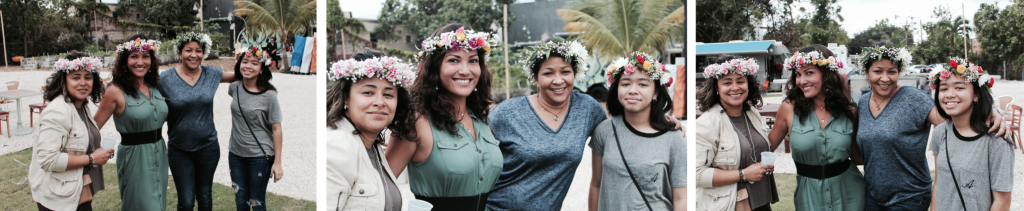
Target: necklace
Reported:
point(546, 109)
point(750, 141)
point(878, 105)
point(826, 118)
point(192, 77)
point(381, 169)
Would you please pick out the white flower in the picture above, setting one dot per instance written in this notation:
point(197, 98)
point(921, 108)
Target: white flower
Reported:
point(577, 49)
point(620, 62)
point(984, 79)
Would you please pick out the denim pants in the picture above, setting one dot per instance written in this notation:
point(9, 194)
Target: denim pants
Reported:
point(249, 179)
point(916, 203)
point(193, 175)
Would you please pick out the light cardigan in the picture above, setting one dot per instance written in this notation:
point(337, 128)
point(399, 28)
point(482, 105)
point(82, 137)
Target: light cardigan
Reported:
point(352, 181)
point(718, 147)
point(53, 184)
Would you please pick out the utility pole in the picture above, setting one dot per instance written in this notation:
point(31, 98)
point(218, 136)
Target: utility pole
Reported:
point(2, 32)
point(504, 37)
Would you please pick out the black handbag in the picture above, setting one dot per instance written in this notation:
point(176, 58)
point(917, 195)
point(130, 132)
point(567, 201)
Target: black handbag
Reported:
point(623, 156)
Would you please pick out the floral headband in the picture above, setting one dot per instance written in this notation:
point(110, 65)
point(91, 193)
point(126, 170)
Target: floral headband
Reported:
point(84, 63)
point(738, 66)
point(254, 51)
point(460, 39)
point(899, 56)
point(800, 59)
point(185, 38)
point(139, 45)
point(969, 71)
point(639, 61)
point(574, 52)
point(388, 68)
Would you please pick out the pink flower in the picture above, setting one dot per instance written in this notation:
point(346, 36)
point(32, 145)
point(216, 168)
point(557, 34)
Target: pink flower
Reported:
point(630, 69)
point(944, 75)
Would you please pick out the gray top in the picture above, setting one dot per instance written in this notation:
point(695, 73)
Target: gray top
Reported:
point(95, 173)
point(190, 108)
point(393, 196)
point(894, 145)
point(982, 164)
point(263, 111)
point(539, 163)
point(657, 160)
point(761, 192)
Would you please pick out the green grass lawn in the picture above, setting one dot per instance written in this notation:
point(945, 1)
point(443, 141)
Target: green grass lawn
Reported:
point(19, 196)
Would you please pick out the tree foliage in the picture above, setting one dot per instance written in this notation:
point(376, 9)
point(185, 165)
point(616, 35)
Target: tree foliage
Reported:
point(614, 28)
point(421, 17)
point(279, 18)
point(945, 38)
point(883, 30)
point(725, 20)
point(41, 27)
point(162, 12)
point(1001, 37)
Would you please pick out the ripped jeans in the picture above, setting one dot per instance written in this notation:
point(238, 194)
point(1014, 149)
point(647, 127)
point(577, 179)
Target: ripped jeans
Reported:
point(249, 179)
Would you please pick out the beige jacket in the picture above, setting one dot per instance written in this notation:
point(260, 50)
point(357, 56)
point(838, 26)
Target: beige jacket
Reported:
point(352, 181)
point(718, 147)
point(53, 184)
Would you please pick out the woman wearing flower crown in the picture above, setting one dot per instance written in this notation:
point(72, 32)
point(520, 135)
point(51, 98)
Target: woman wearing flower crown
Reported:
point(361, 107)
point(893, 134)
point(819, 118)
point(193, 151)
point(730, 139)
point(973, 169)
point(255, 149)
point(639, 157)
point(67, 158)
point(453, 160)
point(139, 111)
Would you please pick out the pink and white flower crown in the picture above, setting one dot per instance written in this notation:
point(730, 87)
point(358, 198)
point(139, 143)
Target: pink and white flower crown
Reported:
point(638, 62)
point(815, 58)
point(388, 68)
point(739, 66)
point(968, 70)
point(460, 39)
point(139, 45)
point(254, 51)
point(84, 63)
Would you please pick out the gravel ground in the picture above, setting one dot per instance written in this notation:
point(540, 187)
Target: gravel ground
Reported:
point(295, 94)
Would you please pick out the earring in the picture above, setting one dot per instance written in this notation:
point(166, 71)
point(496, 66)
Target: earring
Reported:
point(346, 106)
point(435, 88)
point(474, 89)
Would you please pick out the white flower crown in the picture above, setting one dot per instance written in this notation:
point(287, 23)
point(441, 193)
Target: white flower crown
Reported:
point(739, 66)
point(84, 63)
point(800, 59)
point(638, 62)
point(139, 45)
point(899, 56)
point(574, 51)
point(185, 38)
point(388, 68)
point(460, 39)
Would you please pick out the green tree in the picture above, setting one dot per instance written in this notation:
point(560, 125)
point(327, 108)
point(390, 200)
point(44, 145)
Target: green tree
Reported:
point(614, 28)
point(945, 38)
point(823, 27)
point(280, 18)
point(422, 17)
point(883, 30)
point(725, 20)
point(999, 32)
point(179, 13)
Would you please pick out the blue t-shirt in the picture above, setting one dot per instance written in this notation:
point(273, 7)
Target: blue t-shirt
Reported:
point(539, 163)
point(894, 146)
point(190, 108)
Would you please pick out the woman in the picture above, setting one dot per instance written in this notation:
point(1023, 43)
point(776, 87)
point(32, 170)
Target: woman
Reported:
point(454, 159)
point(730, 139)
point(819, 118)
point(139, 111)
point(360, 108)
point(66, 170)
point(271, 50)
point(255, 148)
point(893, 139)
point(193, 151)
point(973, 170)
point(543, 135)
point(643, 147)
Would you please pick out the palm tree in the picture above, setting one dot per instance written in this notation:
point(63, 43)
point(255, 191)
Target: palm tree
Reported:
point(613, 28)
point(281, 18)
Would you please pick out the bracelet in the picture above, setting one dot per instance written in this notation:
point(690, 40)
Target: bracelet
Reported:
point(742, 178)
point(91, 161)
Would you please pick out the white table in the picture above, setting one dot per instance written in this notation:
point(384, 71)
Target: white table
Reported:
point(17, 95)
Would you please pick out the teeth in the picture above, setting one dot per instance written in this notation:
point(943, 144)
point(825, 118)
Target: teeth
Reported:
point(952, 103)
point(734, 95)
point(462, 81)
point(559, 90)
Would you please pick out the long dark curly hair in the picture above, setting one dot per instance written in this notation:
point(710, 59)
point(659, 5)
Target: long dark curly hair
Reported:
point(123, 77)
point(403, 126)
point(837, 93)
point(710, 90)
point(57, 84)
point(431, 99)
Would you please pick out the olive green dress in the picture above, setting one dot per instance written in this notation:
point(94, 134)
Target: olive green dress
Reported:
point(142, 169)
point(813, 146)
point(458, 166)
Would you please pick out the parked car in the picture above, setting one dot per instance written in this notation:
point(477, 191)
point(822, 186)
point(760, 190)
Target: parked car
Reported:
point(920, 69)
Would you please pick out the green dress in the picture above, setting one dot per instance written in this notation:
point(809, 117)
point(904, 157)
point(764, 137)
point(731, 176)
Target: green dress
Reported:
point(458, 166)
point(142, 169)
point(813, 146)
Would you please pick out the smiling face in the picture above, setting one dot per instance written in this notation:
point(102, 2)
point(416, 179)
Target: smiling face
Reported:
point(460, 72)
point(636, 92)
point(250, 67)
point(732, 90)
point(79, 85)
point(371, 104)
point(883, 75)
point(554, 79)
point(956, 96)
point(191, 55)
point(809, 80)
point(139, 63)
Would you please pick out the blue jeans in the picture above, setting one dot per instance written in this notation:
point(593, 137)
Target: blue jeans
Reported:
point(193, 175)
point(916, 203)
point(249, 178)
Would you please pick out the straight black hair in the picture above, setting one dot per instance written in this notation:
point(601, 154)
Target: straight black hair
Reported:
point(659, 107)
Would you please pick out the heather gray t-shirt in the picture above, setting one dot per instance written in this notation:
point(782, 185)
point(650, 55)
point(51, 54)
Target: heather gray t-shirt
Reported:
point(190, 125)
point(262, 111)
point(658, 160)
point(982, 164)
